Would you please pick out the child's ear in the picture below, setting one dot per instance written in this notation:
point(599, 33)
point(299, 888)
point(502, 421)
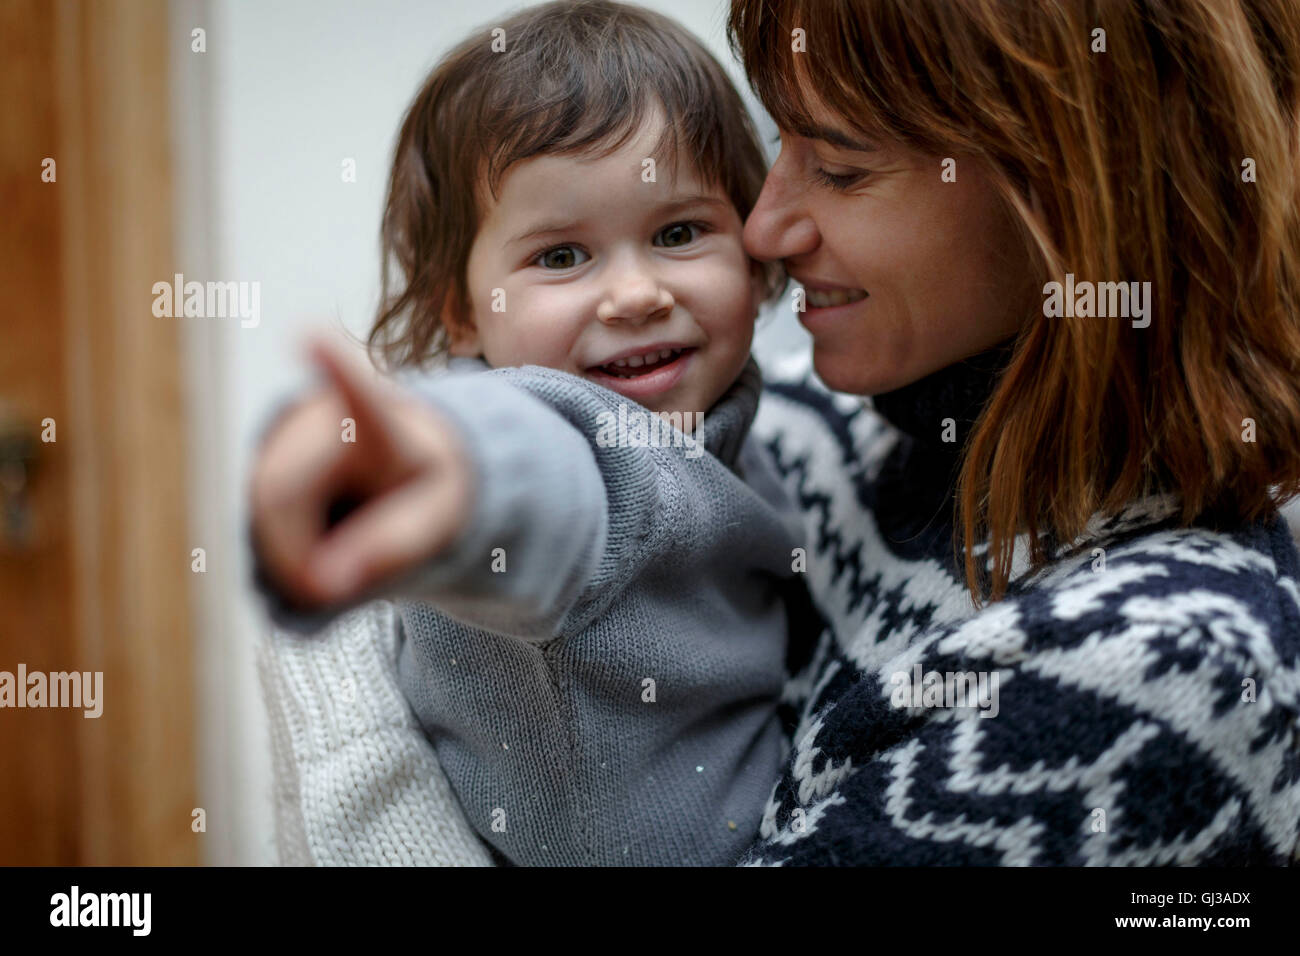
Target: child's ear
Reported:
point(462, 336)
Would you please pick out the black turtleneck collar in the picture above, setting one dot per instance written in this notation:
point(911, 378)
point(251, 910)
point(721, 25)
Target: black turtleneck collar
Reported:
point(914, 492)
point(958, 391)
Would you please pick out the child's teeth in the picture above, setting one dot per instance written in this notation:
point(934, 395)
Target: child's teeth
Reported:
point(638, 361)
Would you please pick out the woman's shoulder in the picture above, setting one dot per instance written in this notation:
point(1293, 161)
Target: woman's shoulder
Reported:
point(1185, 618)
point(1141, 570)
point(1142, 708)
point(1134, 567)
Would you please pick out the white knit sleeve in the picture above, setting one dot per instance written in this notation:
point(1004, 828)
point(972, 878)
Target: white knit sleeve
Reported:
point(356, 781)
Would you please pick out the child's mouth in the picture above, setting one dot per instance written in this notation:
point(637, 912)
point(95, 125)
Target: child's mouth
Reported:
point(645, 376)
point(639, 365)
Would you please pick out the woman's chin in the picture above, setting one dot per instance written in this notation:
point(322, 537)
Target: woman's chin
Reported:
point(841, 373)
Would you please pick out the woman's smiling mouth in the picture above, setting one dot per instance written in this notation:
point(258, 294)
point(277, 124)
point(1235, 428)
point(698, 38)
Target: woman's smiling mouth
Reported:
point(824, 303)
point(825, 298)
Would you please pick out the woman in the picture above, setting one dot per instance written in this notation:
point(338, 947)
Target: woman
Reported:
point(1063, 613)
point(1151, 605)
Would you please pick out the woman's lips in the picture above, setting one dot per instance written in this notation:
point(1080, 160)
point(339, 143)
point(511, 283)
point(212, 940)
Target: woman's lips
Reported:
point(640, 385)
point(829, 304)
point(828, 298)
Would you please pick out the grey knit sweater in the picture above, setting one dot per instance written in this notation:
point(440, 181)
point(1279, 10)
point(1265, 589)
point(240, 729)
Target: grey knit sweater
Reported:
point(598, 658)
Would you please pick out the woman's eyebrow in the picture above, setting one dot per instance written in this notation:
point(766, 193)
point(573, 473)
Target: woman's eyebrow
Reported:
point(834, 137)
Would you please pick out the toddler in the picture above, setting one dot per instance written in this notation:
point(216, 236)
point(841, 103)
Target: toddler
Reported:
point(593, 567)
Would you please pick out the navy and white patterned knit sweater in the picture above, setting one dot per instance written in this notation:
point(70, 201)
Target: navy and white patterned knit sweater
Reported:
point(1147, 706)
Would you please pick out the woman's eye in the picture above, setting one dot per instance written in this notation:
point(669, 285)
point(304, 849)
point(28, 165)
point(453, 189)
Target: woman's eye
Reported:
point(838, 181)
point(560, 257)
point(678, 234)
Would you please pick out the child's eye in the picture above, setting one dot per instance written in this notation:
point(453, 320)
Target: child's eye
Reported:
point(678, 234)
point(560, 257)
point(838, 181)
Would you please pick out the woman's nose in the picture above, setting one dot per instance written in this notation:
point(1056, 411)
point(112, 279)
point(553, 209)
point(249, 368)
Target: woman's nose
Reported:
point(779, 226)
point(634, 295)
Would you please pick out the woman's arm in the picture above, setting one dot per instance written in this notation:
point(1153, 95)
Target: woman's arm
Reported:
point(356, 780)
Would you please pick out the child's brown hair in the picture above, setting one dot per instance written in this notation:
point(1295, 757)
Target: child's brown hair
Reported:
point(575, 76)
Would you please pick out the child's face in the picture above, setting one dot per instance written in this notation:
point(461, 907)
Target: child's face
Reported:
point(588, 265)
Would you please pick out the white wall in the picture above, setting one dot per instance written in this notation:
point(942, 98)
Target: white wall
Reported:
point(263, 121)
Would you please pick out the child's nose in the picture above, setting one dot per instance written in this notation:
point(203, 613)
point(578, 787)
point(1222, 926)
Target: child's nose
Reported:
point(634, 297)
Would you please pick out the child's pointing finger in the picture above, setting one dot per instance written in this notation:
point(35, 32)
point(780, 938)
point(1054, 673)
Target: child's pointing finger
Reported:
point(386, 536)
point(363, 395)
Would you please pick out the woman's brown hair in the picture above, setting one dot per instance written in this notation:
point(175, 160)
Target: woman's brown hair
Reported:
point(574, 76)
point(1137, 159)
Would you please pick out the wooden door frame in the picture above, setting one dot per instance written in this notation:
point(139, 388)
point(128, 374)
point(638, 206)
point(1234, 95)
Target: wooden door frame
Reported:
point(88, 248)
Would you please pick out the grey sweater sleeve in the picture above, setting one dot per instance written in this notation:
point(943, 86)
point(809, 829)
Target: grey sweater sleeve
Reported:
point(560, 521)
point(537, 524)
point(578, 514)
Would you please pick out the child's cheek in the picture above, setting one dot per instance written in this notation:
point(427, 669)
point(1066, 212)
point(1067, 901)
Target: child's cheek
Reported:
point(732, 305)
point(550, 323)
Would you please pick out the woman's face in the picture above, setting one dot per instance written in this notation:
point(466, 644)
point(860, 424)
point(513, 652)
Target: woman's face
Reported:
point(904, 273)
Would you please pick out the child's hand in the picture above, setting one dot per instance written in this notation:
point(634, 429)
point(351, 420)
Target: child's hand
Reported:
point(331, 517)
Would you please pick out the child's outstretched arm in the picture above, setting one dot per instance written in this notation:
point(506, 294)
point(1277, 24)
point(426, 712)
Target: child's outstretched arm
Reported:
point(357, 781)
point(465, 491)
point(355, 484)
point(498, 496)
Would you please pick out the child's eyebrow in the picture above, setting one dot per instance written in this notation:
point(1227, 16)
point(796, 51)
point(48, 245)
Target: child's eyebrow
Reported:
point(665, 208)
point(686, 202)
point(545, 229)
